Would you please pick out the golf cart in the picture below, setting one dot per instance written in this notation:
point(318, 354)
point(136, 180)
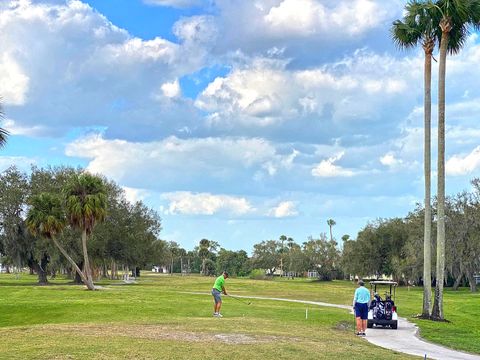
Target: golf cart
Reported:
point(383, 311)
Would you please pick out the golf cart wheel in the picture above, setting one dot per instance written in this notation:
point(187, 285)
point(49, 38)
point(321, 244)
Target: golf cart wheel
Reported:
point(394, 325)
point(370, 324)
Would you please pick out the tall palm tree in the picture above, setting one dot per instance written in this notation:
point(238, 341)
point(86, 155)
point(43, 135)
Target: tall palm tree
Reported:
point(331, 223)
point(46, 218)
point(457, 18)
point(419, 26)
point(282, 239)
point(3, 132)
point(86, 206)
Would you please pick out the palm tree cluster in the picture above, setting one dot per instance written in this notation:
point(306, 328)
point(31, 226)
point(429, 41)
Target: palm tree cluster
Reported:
point(46, 219)
point(445, 24)
point(56, 203)
point(83, 204)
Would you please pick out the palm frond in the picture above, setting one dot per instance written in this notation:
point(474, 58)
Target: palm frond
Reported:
point(404, 36)
point(474, 13)
point(86, 201)
point(3, 132)
point(45, 217)
point(463, 16)
point(457, 38)
point(418, 25)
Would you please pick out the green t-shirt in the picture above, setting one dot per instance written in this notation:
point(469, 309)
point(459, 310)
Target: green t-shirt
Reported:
point(219, 282)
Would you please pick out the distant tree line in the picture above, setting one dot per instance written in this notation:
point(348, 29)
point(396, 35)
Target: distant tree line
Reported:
point(40, 214)
point(283, 257)
point(394, 247)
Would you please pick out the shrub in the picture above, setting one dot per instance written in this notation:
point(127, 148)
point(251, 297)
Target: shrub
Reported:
point(259, 274)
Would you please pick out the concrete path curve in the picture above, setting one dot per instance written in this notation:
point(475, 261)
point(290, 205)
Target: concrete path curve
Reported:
point(405, 339)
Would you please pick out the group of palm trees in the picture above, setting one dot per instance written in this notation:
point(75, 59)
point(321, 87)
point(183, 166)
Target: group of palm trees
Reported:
point(82, 205)
point(446, 24)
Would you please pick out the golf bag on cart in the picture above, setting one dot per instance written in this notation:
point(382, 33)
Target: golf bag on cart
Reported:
point(388, 308)
point(377, 306)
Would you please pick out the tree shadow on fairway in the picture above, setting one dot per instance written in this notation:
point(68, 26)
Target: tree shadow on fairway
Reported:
point(61, 283)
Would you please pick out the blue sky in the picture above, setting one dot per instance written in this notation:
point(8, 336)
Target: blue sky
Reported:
point(238, 121)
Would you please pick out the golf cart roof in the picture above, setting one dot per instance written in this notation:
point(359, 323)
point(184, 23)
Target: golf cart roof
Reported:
point(383, 282)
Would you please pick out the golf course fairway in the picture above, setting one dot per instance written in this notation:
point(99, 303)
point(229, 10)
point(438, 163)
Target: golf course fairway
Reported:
point(154, 318)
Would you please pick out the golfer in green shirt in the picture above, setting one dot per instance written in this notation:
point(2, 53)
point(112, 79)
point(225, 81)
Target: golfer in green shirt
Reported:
point(218, 289)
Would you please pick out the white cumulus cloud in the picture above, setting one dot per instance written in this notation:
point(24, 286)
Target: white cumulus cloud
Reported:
point(308, 17)
point(327, 168)
point(15, 129)
point(284, 209)
point(179, 162)
point(133, 195)
point(459, 165)
point(188, 203)
point(171, 89)
point(13, 81)
point(82, 58)
point(390, 160)
point(264, 92)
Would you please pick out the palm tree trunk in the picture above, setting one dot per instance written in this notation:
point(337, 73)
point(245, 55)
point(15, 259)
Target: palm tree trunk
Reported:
point(74, 264)
point(437, 311)
point(86, 266)
point(427, 256)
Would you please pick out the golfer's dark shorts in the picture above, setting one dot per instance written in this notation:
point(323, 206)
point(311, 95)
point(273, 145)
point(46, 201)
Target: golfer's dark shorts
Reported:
point(217, 295)
point(361, 311)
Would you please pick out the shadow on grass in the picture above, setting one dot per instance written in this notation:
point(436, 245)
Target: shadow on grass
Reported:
point(22, 283)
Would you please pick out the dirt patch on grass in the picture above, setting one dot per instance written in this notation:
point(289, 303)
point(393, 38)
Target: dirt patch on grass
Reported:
point(343, 326)
point(151, 332)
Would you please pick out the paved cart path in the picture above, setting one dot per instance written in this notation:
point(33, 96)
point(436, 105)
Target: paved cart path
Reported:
point(405, 339)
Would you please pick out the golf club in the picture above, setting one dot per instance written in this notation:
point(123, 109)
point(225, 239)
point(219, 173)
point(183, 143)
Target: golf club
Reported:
point(354, 322)
point(236, 298)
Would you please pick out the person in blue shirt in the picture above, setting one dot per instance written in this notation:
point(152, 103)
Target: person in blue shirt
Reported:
point(361, 299)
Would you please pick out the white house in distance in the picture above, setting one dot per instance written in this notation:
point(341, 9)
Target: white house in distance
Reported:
point(477, 278)
point(160, 269)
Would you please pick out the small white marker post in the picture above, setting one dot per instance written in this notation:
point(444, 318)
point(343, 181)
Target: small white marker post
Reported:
point(306, 314)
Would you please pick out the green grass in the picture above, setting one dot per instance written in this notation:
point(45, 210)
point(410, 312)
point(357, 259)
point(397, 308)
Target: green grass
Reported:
point(154, 319)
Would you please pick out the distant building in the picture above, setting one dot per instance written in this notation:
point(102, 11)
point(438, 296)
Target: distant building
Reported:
point(160, 269)
point(477, 278)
